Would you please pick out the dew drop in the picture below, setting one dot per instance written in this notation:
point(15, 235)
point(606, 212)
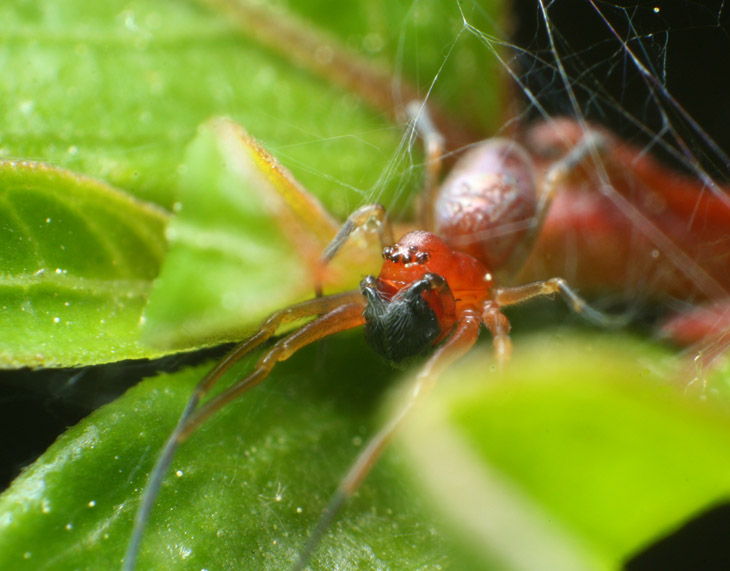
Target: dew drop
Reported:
point(92, 503)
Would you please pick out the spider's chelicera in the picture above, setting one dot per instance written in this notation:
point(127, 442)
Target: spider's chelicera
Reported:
point(403, 325)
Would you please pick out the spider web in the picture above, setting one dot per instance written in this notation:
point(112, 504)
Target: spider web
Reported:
point(647, 71)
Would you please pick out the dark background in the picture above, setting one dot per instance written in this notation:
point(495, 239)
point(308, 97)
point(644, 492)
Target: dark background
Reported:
point(685, 46)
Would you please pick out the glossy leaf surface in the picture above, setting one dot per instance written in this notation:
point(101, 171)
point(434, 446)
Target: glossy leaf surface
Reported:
point(78, 260)
point(241, 495)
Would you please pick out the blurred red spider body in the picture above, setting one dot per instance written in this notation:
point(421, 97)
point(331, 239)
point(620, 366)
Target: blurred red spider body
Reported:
point(655, 233)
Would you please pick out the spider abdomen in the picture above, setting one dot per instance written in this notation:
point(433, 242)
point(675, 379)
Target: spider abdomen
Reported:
point(488, 201)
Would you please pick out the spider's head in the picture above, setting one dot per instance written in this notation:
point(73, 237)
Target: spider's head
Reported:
point(409, 307)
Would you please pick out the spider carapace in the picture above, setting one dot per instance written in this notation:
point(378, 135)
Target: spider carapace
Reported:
point(422, 287)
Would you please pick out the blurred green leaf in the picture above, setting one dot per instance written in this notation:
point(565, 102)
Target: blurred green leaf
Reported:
point(117, 89)
point(583, 451)
point(243, 242)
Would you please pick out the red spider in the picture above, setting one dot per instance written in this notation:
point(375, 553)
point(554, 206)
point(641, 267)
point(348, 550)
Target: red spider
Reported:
point(435, 290)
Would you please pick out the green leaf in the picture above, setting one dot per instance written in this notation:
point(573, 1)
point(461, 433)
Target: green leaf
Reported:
point(583, 450)
point(78, 260)
point(117, 91)
point(243, 243)
point(244, 491)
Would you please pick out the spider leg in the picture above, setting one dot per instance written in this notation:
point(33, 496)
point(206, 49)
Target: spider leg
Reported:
point(342, 311)
point(370, 214)
point(518, 294)
point(433, 143)
point(499, 327)
point(461, 340)
point(592, 144)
